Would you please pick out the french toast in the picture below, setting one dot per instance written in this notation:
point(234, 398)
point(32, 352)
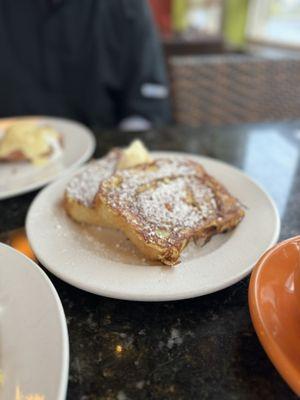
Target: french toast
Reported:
point(83, 187)
point(161, 206)
point(28, 141)
point(81, 190)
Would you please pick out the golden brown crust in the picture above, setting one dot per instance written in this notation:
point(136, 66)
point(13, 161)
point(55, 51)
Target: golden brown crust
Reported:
point(161, 206)
point(83, 214)
point(81, 190)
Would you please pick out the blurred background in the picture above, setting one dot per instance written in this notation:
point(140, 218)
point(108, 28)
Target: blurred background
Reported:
point(216, 25)
point(231, 61)
point(137, 64)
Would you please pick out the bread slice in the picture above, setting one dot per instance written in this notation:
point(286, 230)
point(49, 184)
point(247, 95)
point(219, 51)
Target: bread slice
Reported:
point(81, 190)
point(161, 206)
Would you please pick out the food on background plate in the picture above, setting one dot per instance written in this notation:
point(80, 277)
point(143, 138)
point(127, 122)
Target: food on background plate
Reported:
point(160, 205)
point(83, 187)
point(29, 141)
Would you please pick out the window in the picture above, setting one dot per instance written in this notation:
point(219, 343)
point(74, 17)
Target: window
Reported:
point(274, 22)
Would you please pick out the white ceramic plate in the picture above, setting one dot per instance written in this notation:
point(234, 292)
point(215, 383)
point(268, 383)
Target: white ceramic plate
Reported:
point(102, 261)
point(34, 349)
point(19, 178)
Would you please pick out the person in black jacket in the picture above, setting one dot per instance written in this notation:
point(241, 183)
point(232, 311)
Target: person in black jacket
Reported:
point(97, 61)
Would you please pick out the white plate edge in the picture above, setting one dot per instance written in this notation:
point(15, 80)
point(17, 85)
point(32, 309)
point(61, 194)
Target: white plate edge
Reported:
point(62, 392)
point(190, 294)
point(85, 157)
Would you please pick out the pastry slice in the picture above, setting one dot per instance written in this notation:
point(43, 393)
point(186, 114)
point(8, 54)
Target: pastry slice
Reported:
point(81, 190)
point(161, 206)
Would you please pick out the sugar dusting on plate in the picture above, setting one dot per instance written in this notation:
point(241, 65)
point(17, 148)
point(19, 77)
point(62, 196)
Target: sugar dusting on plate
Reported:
point(113, 245)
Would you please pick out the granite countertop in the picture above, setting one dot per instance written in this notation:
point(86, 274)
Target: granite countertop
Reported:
point(203, 348)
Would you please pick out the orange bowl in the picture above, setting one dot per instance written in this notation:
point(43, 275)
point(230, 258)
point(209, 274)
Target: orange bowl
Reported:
point(19, 241)
point(274, 302)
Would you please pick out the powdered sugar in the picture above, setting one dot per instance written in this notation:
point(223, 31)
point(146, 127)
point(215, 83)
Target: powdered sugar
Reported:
point(165, 200)
point(163, 168)
point(84, 186)
point(167, 206)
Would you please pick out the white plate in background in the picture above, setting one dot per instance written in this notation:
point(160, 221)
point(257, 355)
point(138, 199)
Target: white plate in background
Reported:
point(104, 262)
point(34, 346)
point(22, 177)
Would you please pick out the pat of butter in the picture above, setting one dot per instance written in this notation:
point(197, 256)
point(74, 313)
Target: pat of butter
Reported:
point(134, 155)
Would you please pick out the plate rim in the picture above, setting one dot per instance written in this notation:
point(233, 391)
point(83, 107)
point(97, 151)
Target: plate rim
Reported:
point(270, 346)
point(81, 160)
point(64, 376)
point(162, 297)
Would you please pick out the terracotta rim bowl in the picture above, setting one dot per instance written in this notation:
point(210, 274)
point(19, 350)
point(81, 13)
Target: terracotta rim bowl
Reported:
point(274, 301)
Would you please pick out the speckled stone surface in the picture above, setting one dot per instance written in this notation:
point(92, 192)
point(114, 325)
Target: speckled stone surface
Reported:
point(203, 348)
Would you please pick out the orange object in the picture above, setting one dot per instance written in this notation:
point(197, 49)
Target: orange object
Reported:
point(19, 241)
point(274, 301)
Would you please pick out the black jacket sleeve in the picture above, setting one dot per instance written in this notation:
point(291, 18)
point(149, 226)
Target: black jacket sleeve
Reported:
point(145, 87)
